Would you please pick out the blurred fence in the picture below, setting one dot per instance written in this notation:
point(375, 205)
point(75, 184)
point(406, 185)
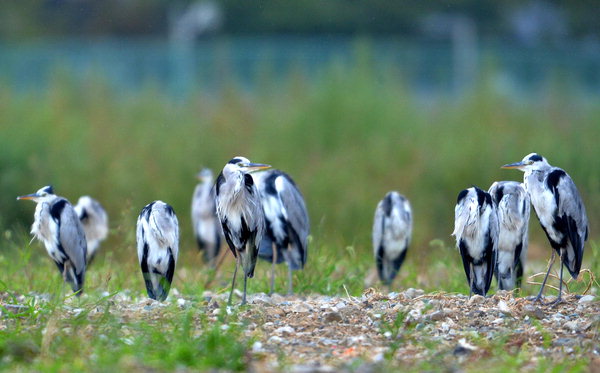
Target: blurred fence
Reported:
point(427, 67)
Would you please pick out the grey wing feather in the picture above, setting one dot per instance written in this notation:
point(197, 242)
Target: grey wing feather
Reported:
point(572, 205)
point(72, 238)
point(293, 202)
point(165, 227)
point(196, 202)
point(378, 227)
point(295, 207)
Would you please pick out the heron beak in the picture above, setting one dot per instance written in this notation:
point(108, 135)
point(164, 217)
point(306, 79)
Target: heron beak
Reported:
point(252, 167)
point(517, 165)
point(28, 196)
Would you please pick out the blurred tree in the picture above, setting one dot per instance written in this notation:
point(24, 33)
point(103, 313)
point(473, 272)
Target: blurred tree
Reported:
point(35, 18)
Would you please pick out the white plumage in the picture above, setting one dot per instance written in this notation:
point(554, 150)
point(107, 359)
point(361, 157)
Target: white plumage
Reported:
point(287, 224)
point(513, 207)
point(560, 210)
point(157, 247)
point(476, 232)
point(240, 211)
point(206, 225)
point(56, 224)
point(94, 220)
point(392, 230)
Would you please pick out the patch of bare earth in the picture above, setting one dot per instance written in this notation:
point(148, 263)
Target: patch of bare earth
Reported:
point(327, 333)
point(332, 333)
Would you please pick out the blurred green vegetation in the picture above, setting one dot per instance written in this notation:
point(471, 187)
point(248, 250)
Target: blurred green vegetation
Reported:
point(347, 137)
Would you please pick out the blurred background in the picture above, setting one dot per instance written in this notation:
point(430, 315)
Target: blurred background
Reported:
point(126, 100)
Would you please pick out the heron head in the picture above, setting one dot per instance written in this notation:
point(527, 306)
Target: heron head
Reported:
point(42, 195)
point(244, 165)
point(205, 175)
point(531, 162)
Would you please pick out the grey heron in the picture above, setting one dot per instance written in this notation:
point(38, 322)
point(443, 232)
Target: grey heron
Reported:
point(560, 210)
point(392, 230)
point(476, 232)
point(56, 224)
point(207, 228)
point(157, 247)
point(240, 211)
point(287, 225)
point(513, 207)
point(94, 220)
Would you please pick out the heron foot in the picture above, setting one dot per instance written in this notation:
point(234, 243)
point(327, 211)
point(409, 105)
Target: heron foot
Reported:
point(554, 303)
point(536, 299)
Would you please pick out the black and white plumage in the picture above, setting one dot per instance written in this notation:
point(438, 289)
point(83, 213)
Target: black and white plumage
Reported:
point(94, 220)
point(241, 214)
point(513, 207)
point(392, 230)
point(476, 232)
point(157, 247)
point(560, 210)
point(287, 223)
point(206, 225)
point(56, 224)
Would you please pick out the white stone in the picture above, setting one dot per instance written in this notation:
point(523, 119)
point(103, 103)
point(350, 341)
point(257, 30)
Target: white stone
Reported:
point(587, 299)
point(503, 307)
point(285, 330)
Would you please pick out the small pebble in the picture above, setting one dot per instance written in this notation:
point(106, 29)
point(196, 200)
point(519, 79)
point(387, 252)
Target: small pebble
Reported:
point(586, 299)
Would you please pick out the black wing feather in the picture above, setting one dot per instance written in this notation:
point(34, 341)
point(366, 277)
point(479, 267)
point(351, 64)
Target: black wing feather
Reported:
point(490, 259)
point(249, 183)
point(466, 259)
point(227, 234)
point(146, 273)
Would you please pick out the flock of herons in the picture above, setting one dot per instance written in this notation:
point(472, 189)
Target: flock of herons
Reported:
point(263, 214)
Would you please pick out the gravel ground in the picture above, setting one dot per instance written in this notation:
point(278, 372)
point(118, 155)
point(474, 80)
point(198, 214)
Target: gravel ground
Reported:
point(325, 333)
point(410, 327)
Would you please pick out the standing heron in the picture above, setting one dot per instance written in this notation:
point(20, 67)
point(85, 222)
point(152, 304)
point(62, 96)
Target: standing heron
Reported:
point(476, 232)
point(157, 247)
point(57, 226)
point(240, 212)
point(392, 230)
point(513, 207)
point(287, 224)
point(94, 220)
point(560, 210)
point(205, 222)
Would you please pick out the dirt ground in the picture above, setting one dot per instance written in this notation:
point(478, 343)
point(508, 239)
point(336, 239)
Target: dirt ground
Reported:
point(323, 333)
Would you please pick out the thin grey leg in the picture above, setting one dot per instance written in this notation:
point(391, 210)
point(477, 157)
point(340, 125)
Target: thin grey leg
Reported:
point(237, 259)
point(559, 298)
point(471, 280)
point(290, 286)
point(245, 283)
point(539, 296)
point(274, 248)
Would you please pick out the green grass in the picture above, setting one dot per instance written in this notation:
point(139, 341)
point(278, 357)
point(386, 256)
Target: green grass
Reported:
point(347, 139)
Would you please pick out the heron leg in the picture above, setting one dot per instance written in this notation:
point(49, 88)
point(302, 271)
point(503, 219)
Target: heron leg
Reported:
point(66, 266)
point(237, 259)
point(471, 280)
point(290, 286)
point(550, 264)
point(559, 298)
point(274, 248)
point(245, 283)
